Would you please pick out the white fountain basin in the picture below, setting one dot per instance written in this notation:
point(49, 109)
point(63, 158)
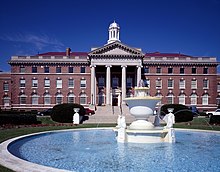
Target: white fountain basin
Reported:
point(141, 108)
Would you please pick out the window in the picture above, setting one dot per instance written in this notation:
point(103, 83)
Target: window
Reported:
point(71, 98)
point(115, 82)
point(59, 83)
point(170, 98)
point(218, 87)
point(205, 99)
point(70, 69)
point(6, 101)
point(82, 69)
point(158, 70)
point(34, 69)
point(205, 70)
point(47, 83)
point(182, 99)
point(22, 99)
point(58, 69)
point(182, 84)
point(170, 83)
point(6, 87)
point(22, 69)
point(182, 70)
point(193, 99)
point(147, 83)
point(34, 83)
point(71, 83)
point(47, 99)
point(158, 84)
point(194, 84)
point(83, 83)
point(22, 82)
point(205, 84)
point(194, 70)
point(129, 82)
point(146, 69)
point(170, 70)
point(46, 69)
point(83, 99)
point(101, 82)
point(59, 98)
point(34, 99)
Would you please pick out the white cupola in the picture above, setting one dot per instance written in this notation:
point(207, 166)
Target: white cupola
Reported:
point(113, 32)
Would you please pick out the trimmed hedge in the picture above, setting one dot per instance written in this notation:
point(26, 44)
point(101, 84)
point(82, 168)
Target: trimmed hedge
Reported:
point(182, 113)
point(18, 118)
point(64, 112)
point(214, 119)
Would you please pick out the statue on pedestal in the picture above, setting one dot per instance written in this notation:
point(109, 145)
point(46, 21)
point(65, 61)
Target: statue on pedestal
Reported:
point(169, 118)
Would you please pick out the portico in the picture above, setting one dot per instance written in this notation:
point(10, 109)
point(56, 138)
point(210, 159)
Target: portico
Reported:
point(110, 64)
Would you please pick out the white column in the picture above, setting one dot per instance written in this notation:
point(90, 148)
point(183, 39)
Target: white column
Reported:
point(108, 84)
point(138, 74)
point(123, 83)
point(93, 94)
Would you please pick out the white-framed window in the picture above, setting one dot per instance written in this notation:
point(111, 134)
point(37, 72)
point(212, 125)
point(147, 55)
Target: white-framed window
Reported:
point(193, 99)
point(34, 83)
point(47, 83)
point(82, 69)
point(194, 84)
point(22, 99)
point(129, 82)
point(182, 84)
point(83, 99)
point(22, 82)
point(218, 87)
point(6, 86)
point(159, 84)
point(71, 83)
point(158, 70)
point(182, 99)
point(147, 83)
point(115, 82)
point(47, 99)
point(205, 99)
point(101, 82)
point(205, 84)
point(22, 69)
point(6, 101)
point(170, 83)
point(59, 83)
point(34, 99)
point(82, 83)
point(59, 98)
point(170, 98)
point(71, 98)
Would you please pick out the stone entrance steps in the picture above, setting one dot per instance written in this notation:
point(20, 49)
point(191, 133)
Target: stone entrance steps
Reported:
point(109, 114)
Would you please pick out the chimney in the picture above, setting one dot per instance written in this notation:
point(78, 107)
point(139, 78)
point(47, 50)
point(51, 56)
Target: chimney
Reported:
point(68, 50)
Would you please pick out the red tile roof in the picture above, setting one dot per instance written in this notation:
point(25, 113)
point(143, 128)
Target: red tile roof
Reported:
point(63, 54)
point(158, 54)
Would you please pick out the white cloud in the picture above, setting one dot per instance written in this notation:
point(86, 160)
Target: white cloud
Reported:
point(39, 41)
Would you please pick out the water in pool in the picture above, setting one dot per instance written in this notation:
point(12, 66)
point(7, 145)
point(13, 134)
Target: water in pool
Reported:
point(98, 150)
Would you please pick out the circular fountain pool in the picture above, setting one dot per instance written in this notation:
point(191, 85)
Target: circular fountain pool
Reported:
point(98, 150)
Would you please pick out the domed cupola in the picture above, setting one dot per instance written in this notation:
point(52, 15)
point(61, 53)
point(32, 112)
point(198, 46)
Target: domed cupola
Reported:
point(113, 32)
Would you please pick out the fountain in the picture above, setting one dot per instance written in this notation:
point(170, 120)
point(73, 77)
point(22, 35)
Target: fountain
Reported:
point(141, 130)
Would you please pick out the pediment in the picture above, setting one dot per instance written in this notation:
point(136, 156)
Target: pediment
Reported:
point(116, 49)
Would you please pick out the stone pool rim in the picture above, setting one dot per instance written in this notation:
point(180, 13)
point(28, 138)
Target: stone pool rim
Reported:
point(14, 163)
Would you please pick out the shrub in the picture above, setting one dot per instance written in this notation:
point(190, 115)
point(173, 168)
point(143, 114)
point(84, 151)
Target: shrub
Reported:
point(18, 118)
point(64, 112)
point(214, 119)
point(181, 112)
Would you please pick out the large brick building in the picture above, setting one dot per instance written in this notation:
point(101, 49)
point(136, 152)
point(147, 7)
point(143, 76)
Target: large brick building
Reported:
point(106, 75)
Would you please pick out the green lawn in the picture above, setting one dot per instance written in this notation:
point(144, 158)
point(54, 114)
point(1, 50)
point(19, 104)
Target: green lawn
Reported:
point(5, 134)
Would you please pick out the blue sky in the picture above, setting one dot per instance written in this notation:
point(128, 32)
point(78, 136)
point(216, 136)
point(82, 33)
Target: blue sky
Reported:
point(28, 27)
